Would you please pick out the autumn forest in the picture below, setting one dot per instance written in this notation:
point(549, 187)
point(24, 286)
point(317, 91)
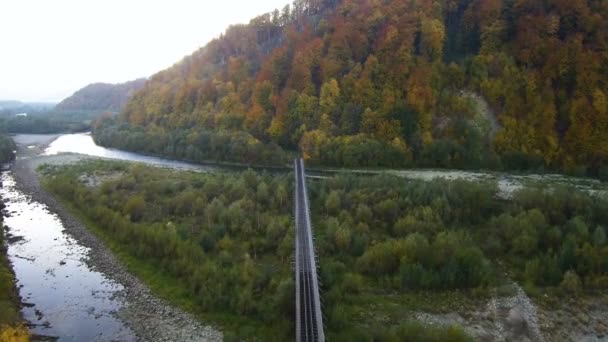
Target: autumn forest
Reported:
point(511, 84)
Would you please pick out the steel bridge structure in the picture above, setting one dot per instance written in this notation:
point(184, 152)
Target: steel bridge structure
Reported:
point(309, 318)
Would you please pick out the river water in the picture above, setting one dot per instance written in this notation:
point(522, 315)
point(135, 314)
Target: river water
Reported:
point(63, 297)
point(82, 143)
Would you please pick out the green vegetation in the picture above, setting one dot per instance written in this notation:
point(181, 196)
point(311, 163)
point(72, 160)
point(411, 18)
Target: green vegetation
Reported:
point(190, 144)
point(7, 148)
point(459, 84)
point(41, 118)
point(205, 231)
point(11, 329)
point(47, 122)
point(221, 244)
point(9, 299)
point(554, 237)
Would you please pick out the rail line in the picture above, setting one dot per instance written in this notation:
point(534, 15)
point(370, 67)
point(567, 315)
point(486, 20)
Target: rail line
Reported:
point(309, 318)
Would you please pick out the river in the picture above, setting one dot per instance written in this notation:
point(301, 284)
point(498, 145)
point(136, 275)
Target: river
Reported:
point(63, 297)
point(82, 143)
point(71, 287)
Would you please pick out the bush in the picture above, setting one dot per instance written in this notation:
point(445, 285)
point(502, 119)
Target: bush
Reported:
point(134, 207)
point(7, 146)
point(571, 282)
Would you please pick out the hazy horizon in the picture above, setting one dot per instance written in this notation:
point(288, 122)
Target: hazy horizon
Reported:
point(61, 46)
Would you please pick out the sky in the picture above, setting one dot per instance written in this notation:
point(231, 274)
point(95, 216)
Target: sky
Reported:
point(51, 48)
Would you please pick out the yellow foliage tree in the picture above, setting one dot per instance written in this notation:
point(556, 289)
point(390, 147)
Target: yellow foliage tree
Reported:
point(432, 36)
point(14, 334)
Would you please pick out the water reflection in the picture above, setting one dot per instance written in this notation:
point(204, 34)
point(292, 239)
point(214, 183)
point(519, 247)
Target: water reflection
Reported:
point(69, 300)
point(83, 143)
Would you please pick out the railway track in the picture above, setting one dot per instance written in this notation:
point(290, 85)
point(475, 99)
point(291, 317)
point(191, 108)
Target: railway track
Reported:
point(309, 318)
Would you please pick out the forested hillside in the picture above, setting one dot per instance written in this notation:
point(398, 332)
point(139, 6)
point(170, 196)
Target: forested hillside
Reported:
point(101, 97)
point(448, 83)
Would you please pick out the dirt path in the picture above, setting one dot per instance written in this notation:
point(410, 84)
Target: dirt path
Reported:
point(151, 318)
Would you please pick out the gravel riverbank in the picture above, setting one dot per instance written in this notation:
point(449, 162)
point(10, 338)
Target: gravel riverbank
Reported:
point(151, 318)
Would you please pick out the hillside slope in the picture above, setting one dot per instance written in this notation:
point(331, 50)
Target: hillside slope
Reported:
point(388, 83)
point(101, 97)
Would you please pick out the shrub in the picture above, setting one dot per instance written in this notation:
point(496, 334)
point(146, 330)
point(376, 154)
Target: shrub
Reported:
point(571, 282)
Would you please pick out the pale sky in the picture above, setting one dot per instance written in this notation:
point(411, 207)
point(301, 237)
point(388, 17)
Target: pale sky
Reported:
point(51, 48)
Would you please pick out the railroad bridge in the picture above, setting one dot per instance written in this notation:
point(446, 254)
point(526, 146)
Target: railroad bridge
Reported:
point(309, 318)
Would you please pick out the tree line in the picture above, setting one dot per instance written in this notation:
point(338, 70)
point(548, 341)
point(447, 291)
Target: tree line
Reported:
point(190, 144)
point(48, 122)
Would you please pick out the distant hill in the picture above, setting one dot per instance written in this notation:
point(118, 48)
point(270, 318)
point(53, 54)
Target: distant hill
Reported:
point(18, 104)
point(10, 104)
point(101, 96)
point(15, 107)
